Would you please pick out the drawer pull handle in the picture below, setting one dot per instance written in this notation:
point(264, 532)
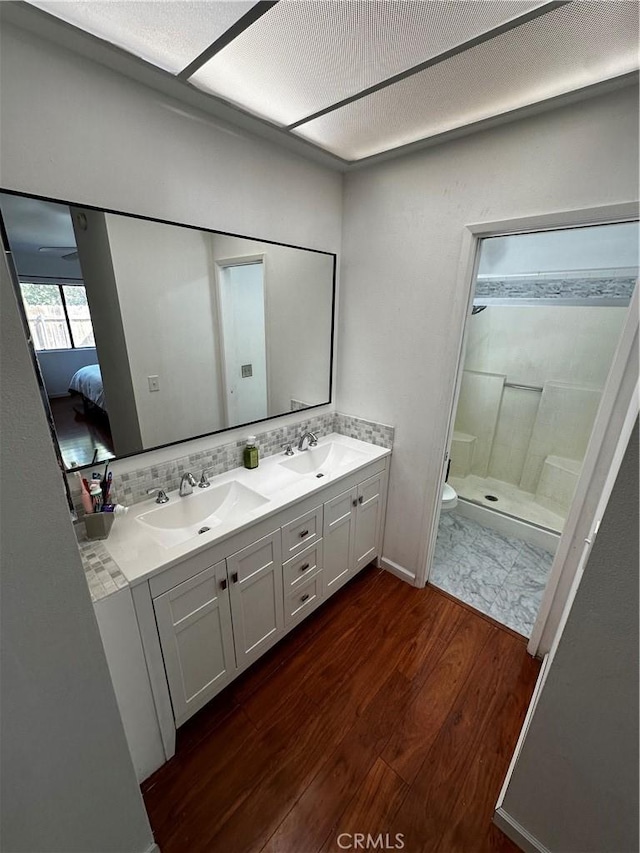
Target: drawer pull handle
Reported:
point(360, 499)
point(305, 597)
point(305, 567)
point(223, 584)
point(234, 577)
point(304, 533)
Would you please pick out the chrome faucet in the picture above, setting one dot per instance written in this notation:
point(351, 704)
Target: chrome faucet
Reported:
point(186, 484)
point(162, 496)
point(312, 440)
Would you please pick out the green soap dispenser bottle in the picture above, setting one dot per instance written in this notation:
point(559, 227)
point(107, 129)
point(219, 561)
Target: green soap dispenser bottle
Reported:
point(250, 454)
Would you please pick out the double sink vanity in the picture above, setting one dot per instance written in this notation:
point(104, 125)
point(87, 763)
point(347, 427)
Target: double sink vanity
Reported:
point(219, 575)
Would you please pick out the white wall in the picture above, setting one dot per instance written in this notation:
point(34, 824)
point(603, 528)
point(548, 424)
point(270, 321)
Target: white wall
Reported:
point(575, 783)
point(402, 305)
point(58, 366)
point(68, 783)
point(600, 248)
point(164, 280)
point(94, 251)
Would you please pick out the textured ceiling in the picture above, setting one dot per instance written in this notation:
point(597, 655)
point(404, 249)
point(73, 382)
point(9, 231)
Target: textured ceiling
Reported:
point(358, 78)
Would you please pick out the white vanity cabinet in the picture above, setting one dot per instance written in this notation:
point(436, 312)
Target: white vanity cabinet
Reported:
point(352, 523)
point(339, 525)
point(206, 618)
point(194, 626)
point(368, 519)
point(257, 608)
point(220, 621)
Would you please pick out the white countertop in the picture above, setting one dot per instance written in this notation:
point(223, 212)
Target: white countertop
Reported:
point(139, 556)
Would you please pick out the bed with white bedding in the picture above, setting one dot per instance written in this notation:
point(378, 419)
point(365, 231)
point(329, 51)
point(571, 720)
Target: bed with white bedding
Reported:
point(88, 382)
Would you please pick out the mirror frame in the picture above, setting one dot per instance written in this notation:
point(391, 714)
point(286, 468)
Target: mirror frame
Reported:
point(16, 285)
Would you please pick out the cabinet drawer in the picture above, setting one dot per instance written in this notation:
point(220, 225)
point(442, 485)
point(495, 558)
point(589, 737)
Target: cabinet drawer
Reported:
point(304, 598)
point(303, 565)
point(301, 532)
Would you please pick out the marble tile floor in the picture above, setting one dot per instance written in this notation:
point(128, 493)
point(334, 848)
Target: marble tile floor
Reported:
point(499, 575)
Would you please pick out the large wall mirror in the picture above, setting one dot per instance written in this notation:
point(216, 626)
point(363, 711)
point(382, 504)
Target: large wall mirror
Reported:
point(148, 333)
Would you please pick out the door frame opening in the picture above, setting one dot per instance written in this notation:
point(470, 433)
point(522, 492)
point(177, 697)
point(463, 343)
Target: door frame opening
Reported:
point(613, 423)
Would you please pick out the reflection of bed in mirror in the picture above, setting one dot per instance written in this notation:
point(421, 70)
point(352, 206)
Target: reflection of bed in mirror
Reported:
point(88, 383)
point(195, 331)
point(81, 420)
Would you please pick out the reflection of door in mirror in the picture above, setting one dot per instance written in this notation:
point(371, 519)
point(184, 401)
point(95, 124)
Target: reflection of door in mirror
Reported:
point(241, 294)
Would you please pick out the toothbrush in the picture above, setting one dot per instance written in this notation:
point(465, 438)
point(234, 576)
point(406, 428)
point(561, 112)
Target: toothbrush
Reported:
point(87, 503)
point(103, 484)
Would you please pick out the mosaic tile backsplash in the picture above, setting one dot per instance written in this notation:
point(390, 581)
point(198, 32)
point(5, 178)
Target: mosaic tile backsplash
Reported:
point(132, 487)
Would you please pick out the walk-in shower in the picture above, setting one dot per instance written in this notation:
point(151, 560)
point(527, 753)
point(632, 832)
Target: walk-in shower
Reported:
point(548, 312)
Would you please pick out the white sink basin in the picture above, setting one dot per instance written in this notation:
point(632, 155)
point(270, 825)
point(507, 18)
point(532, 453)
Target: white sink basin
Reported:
point(205, 509)
point(323, 460)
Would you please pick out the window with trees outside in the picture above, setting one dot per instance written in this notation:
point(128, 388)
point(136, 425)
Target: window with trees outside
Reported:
point(58, 315)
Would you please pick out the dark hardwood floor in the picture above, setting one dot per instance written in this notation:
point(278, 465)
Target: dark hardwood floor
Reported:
point(80, 436)
point(389, 710)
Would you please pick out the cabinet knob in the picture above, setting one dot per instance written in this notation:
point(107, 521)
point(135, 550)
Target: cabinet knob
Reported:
point(223, 584)
point(354, 502)
point(360, 499)
point(305, 567)
point(305, 597)
point(304, 533)
point(234, 577)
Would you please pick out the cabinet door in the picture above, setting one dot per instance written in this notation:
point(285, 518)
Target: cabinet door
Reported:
point(339, 516)
point(368, 520)
point(256, 597)
point(194, 625)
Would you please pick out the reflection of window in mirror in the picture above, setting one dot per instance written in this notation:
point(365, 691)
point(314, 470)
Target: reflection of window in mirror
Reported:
point(58, 315)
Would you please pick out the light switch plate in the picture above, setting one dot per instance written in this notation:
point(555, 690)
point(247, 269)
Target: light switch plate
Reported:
point(154, 383)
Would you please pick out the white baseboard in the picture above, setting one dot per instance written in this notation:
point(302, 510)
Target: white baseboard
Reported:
point(153, 849)
point(518, 834)
point(398, 571)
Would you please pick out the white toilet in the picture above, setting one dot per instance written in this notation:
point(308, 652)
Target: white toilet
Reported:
point(449, 499)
